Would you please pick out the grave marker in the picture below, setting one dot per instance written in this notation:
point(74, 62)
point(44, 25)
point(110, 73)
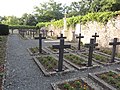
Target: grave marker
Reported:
point(61, 36)
point(114, 43)
point(95, 37)
point(91, 48)
point(79, 42)
point(61, 51)
point(51, 32)
point(40, 42)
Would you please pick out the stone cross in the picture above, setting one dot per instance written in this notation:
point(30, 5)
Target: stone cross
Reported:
point(114, 43)
point(40, 42)
point(43, 32)
point(51, 32)
point(91, 48)
point(46, 32)
point(61, 51)
point(61, 36)
point(79, 42)
point(95, 37)
point(73, 39)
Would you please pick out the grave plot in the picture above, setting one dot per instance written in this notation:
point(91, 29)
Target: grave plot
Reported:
point(101, 59)
point(107, 52)
point(72, 84)
point(79, 47)
point(54, 51)
point(38, 50)
point(49, 65)
point(77, 61)
point(109, 80)
point(3, 40)
point(111, 52)
point(35, 51)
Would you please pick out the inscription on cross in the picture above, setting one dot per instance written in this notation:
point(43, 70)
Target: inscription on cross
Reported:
point(95, 37)
point(61, 51)
point(114, 43)
point(79, 41)
point(61, 36)
point(91, 48)
point(40, 42)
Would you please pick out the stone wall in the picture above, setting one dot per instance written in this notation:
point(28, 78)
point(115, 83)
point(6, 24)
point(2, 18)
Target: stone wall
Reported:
point(106, 32)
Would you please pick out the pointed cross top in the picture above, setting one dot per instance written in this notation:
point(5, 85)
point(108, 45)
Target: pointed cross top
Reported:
point(61, 36)
point(95, 36)
point(79, 37)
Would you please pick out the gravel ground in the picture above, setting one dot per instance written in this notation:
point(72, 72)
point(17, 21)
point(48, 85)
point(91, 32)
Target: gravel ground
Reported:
point(23, 73)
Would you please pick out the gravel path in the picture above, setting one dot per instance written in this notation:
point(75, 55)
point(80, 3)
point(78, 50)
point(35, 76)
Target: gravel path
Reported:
point(23, 73)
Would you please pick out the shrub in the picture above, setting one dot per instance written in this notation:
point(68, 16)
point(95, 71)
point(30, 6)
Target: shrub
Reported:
point(4, 30)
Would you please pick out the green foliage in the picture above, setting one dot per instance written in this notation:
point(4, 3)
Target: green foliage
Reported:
point(22, 27)
point(4, 30)
point(101, 17)
point(10, 20)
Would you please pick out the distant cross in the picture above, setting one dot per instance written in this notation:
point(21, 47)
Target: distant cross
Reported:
point(73, 39)
point(114, 43)
point(51, 32)
point(61, 51)
point(46, 32)
point(91, 48)
point(40, 42)
point(43, 32)
point(61, 36)
point(95, 37)
point(79, 42)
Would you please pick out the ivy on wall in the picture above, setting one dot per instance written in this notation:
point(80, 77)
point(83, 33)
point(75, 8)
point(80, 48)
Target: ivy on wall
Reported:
point(101, 17)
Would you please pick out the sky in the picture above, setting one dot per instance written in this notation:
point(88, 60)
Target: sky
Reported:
point(19, 7)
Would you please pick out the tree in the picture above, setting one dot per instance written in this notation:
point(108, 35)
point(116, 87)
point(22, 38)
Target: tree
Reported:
point(105, 5)
point(48, 11)
point(10, 20)
point(28, 19)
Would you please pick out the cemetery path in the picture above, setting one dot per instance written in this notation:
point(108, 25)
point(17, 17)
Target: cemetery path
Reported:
point(22, 72)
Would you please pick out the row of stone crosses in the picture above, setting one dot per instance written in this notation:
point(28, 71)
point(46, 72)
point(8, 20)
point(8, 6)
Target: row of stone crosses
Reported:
point(91, 47)
point(32, 32)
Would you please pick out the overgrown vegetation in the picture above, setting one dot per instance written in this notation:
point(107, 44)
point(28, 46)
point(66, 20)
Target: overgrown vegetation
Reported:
point(102, 17)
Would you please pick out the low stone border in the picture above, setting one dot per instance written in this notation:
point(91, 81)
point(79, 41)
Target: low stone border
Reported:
point(35, 54)
point(69, 69)
point(55, 87)
point(118, 69)
point(102, 83)
point(81, 68)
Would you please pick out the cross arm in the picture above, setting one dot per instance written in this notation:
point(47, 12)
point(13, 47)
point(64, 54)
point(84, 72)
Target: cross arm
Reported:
point(67, 46)
point(80, 37)
point(56, 46)
point(112, 43)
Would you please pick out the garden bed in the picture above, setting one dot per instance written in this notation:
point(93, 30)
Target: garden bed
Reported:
point(107, 52)
point(110, 80)
point(72, 84)
point(49, 64)
point(35, 51)
point(77, 62)
point(3, 40)
point(55, 51)
point(75, 49)
point(101, 59)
